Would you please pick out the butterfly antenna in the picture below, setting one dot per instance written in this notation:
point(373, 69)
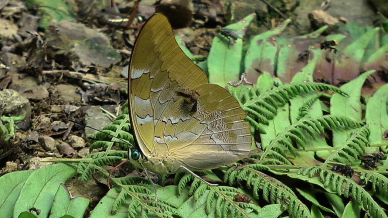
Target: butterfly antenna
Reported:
point(198, 177)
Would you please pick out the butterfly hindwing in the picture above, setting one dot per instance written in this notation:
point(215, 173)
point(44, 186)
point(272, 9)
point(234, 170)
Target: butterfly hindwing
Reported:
point(218, 133)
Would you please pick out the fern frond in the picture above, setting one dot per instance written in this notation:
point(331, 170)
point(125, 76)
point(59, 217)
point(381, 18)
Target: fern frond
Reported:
point(273, 191)
point(194, 186)
point(220, 199)
point(378, 182)
point(119, 128)
point(255, 125)
point(86, 170)
point(263, 108)
point(86, 167)
point(296, 133)
point(225, 205)
point(200, 191)
point(141, 201)
point(133, 180)
point(102, 161)
point(178, 177)
point(347, 187)
point(101, 144)
point(123, 119)
point(125, 142)
point(122, 154)
point(209, 201)
point(304, 110)
point(124, 109)
point(230, 175)
point(183, 182)
point(121, 198)
point(311, 171)
point(243, 93)
point(122, 122)
point(353, 149)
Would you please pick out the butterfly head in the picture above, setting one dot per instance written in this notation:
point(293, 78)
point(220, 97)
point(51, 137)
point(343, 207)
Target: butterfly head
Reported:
point(136, 157)
point(135, 154)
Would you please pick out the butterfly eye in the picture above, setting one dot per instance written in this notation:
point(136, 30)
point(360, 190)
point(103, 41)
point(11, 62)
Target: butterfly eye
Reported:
point(135, 155)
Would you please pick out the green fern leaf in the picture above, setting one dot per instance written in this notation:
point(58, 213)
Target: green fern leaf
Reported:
point(283, 140)
point(304, 110)
point(353, 149)
point(264, 107)
point(200, 191)
point(183, 182)
point(210, 201)
point(378, 182)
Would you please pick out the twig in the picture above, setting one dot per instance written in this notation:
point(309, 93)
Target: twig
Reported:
point(133, 13)
point(275, 9)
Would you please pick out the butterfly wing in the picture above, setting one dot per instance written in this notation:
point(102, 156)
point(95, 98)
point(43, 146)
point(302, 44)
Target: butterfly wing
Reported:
point(153, 81)
point(217, 133)
point(178, 118)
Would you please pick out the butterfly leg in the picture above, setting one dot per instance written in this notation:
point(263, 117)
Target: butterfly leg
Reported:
point(198, 177)
point(153, 184)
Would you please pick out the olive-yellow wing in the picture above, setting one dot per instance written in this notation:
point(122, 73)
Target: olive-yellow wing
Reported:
point(179, 119)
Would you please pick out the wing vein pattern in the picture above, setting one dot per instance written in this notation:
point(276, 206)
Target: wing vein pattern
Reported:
point(179, 119)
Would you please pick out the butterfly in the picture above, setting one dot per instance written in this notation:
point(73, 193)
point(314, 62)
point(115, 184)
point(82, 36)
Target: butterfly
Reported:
point(180, 121)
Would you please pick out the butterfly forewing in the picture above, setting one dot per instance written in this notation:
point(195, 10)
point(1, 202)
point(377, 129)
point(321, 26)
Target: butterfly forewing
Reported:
point(180, 119)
